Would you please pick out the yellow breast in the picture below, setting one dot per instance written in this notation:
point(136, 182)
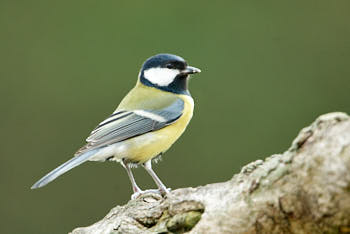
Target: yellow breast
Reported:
point(144, 147)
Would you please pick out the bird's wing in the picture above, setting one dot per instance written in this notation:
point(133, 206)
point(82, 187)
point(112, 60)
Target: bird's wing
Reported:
point(125, 124)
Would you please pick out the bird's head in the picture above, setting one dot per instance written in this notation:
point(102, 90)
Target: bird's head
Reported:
point(167, 72)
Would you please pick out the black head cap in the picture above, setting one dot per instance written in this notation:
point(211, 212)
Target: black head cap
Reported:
point(167, 72)
point(162, 60)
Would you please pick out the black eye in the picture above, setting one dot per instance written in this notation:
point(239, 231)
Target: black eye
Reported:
point(170, 66)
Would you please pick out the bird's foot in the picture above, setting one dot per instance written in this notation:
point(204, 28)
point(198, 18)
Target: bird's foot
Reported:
point(141, 192)
point(164, 191)
point(150, 191)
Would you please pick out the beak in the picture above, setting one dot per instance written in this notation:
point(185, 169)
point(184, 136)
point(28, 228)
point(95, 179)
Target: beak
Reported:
point(190, 70)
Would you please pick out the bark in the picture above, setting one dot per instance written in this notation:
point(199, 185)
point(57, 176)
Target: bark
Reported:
point(304, 190)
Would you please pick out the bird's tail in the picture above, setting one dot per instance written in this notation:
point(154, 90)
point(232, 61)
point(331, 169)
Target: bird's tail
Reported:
point(74, 162)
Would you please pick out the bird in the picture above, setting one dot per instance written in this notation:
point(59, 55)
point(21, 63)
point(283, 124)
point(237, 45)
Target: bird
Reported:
point(146, 123)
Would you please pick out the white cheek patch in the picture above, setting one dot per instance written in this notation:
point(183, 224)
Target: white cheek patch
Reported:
point(161, 76)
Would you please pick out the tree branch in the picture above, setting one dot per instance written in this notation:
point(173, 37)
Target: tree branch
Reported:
point(304, 190)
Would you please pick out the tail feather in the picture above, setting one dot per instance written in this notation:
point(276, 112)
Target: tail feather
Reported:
point(74, 162)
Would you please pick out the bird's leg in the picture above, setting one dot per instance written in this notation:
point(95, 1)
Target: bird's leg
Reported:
point(148, 166)
point(135, 188)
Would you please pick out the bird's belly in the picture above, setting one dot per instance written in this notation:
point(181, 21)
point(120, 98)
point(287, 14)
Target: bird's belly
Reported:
point(142, 148)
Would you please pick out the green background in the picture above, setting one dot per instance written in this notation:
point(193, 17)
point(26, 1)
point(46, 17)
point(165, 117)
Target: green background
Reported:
point(269, 68)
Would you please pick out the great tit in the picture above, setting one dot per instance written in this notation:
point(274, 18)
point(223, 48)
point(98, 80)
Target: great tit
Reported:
point(150, 118)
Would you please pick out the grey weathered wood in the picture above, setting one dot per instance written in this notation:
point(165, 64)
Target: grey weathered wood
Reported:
point(304, 190)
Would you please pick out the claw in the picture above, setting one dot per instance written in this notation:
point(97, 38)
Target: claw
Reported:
point(138, 194)
point(165, 191)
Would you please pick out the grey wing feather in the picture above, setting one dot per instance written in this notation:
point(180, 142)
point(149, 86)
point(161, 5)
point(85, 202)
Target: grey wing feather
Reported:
point(172, 112)
point(127, 124)
point(119, 126)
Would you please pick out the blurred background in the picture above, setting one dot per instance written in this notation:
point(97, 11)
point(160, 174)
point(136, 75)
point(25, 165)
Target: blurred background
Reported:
point(269, 68)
